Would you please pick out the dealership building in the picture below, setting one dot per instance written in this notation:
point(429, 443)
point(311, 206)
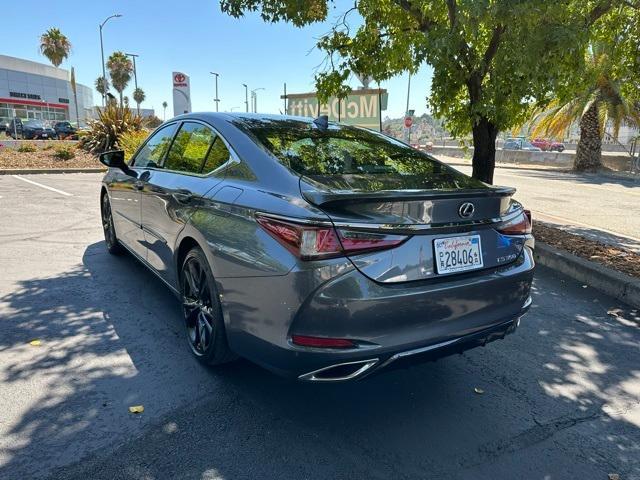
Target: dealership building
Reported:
point(32, 90)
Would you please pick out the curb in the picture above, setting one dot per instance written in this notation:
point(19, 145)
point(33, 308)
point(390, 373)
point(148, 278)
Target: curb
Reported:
point(27, 171)
point(511, 167)
point(606, 280)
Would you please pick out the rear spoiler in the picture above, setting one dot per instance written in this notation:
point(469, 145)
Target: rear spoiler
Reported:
point(328, 198)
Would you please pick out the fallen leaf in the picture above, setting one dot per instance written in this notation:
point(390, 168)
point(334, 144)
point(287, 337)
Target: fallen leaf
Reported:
point(478, 390)
point(136, 409)
point(35, 343)
point(615, 312)
point(584, 286)
point(613, 476)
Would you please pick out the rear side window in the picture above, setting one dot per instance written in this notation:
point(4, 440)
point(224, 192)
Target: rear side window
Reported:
point(190, 148)
point(154, 150)
point(218, 156)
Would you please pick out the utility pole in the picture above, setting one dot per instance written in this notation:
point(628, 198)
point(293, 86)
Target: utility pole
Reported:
point(104, 73)
point(246, 97)
point(217, 100)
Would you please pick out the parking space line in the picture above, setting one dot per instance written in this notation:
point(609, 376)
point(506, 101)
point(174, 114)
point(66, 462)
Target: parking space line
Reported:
point(42, 186)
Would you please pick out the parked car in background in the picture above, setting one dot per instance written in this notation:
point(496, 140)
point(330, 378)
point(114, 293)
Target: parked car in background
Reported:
point(30, 130)
point(519, 143)
point(3, 125)
point(321, 251)
point(64, 130)
point(547, 145)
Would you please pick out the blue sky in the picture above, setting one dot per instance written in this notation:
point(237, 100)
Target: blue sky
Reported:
point(195, 37)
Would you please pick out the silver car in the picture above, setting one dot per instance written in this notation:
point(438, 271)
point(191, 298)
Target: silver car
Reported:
point(321, 251)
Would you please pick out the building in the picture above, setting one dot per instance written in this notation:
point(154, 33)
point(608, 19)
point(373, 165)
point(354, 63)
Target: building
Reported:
point(32, 90)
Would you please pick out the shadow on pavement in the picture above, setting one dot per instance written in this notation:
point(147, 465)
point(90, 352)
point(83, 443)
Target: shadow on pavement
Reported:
point(559, 395)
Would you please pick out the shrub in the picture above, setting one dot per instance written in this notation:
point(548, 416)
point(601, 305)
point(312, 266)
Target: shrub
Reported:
point(47, 146)
point(152, 122)
point(131, 140)
point(64, 152)
point(27, 148)
point(105, 132)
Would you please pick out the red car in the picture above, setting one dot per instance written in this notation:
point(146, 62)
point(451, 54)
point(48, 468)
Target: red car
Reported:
point(548, 145)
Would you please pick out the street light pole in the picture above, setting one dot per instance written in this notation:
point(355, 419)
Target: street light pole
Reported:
point(216, 99)
point(246, 97)
point(104, 73)
point(135, 75)
point(254, 99)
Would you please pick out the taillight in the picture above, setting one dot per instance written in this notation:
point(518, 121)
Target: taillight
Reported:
point(519, 225)
point(322, 342)
point(311, 242)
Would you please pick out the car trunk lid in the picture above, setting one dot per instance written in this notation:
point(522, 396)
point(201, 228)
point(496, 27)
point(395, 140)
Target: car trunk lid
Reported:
point(423, 215)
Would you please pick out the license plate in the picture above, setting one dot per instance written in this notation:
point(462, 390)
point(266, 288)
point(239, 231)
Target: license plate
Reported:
point(458, 254)
point(44, 135)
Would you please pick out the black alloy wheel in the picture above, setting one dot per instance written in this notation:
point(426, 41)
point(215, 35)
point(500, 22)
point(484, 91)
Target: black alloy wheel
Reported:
point(202, 311)
point(110, 239)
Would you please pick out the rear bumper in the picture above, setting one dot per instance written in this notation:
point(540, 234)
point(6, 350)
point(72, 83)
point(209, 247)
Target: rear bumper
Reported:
point(392, 324)
point(406, 358)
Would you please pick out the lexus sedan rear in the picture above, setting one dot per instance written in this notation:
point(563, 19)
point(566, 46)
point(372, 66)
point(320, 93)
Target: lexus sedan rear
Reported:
point(320, 251)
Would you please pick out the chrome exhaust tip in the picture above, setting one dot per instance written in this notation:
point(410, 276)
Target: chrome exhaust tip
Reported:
point(339, 372)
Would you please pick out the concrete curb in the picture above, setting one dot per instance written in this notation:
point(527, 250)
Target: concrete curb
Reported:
point(618, 285)
point(27, 171)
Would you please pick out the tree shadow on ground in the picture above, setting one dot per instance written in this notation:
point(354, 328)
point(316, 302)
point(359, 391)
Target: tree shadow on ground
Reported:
point(559, 395)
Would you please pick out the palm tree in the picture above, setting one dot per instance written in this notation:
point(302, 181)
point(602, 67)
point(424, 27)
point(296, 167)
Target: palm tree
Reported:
point(598, 102)
point(138, 97)
point(120, 69)
point(55, 46)
point(164, 110)
point(102, 85)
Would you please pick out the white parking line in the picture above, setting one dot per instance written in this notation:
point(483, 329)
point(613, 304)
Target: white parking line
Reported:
point(42, 186)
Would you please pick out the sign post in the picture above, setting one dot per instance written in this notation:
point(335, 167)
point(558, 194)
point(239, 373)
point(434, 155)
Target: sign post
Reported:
point(181, 93)
point(408, 123)
point(361, 107)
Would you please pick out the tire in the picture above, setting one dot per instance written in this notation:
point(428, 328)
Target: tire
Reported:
point(110, 238)
point(203, 321)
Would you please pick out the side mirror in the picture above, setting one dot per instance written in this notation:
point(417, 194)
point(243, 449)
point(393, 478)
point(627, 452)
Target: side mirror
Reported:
point(114, 159)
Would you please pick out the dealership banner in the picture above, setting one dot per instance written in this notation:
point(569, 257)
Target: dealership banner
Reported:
point(181, 93)
point(361, 107)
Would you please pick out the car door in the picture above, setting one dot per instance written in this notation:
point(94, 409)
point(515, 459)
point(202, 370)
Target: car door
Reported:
point(172, 192)
point(126, 189)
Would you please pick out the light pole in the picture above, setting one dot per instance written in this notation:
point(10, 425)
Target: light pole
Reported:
point(254, 99)
point(234, 108)
point(104, 73)
point(216, 99)
point(246, 97)
point(135, 74)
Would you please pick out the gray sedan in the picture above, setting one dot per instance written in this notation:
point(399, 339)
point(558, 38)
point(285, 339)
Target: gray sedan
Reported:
point(320, 251)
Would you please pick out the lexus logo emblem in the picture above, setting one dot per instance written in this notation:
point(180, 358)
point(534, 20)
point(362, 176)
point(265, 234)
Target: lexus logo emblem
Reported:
point(466, 210)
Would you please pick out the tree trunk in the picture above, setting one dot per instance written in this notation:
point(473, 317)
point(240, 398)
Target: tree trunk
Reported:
point(589, 151)
point(121, 102)
point(484, 150)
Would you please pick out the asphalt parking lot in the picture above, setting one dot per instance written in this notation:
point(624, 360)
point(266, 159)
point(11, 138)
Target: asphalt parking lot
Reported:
point(561, 397)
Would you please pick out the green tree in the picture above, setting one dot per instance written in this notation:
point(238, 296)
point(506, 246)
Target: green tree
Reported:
point(138, 97)
point(102, 85)
point(491, 58)
point(164, 110)
point(594, 99)
point(55, 46)
point(120, 70)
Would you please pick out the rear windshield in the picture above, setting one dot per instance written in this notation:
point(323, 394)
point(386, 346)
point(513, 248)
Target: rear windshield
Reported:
point(342, 157)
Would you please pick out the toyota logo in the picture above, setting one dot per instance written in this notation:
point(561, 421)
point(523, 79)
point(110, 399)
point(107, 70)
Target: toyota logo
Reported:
point(179, 78)
point(466, 210)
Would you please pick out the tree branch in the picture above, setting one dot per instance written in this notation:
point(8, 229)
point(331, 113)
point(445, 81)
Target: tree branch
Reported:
point(492, 49)
point(598, 11)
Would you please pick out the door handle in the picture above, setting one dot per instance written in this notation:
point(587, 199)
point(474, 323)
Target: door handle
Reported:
point(182, 196)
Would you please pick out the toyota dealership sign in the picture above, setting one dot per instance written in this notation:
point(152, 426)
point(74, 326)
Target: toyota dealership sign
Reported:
point(181, 94)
